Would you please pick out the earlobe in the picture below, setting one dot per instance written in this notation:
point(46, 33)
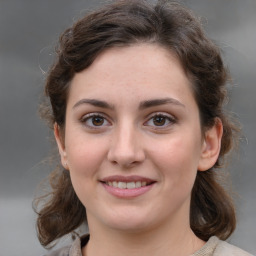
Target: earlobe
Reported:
point(211, 146)
point(61, 145)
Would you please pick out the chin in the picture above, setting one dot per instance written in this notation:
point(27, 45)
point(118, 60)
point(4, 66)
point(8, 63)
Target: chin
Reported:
point(130, 226)
point(127, 221)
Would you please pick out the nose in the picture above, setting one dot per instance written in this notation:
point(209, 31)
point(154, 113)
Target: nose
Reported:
point(126, 149)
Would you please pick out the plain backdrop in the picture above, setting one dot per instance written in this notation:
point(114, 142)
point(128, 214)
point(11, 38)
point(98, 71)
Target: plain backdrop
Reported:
point(28, 33)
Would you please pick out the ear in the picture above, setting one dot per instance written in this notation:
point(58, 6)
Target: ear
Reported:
point(61, 145)
point(211, 146)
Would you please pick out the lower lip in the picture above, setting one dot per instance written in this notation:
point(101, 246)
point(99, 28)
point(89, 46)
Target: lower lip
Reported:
point(127, 193)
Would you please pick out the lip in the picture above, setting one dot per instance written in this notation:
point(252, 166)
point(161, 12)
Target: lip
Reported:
point(127, 193)
point(132, 178)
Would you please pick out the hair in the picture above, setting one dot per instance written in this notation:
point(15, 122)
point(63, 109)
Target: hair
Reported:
point(123, 23)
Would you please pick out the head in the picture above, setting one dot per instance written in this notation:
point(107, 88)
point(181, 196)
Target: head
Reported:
point(173, 28)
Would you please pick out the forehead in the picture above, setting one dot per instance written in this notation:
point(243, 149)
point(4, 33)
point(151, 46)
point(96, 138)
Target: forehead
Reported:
point(142, 70)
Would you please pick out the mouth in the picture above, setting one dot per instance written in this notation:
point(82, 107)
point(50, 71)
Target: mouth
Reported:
point(128, 185)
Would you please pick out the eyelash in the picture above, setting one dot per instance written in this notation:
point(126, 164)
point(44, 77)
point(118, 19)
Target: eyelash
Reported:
point(171, 120)
point(89, 118)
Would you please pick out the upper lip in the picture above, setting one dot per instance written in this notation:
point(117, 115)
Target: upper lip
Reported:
point(132, 178)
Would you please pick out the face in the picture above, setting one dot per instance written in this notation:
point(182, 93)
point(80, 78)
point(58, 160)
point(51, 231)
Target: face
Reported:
point(133, 141)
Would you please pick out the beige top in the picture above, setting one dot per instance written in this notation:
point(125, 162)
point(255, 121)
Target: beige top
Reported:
point(214, 247)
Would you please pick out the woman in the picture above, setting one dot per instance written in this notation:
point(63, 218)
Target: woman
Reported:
point(137, 95)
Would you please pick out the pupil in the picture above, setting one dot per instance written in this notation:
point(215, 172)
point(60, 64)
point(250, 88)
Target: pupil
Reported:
point(159, 120)
point(97, 121)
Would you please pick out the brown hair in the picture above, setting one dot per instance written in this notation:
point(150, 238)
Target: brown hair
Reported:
point(175, 28)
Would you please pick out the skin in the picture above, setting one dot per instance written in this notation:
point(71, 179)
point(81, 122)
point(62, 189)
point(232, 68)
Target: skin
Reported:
point(126, 135)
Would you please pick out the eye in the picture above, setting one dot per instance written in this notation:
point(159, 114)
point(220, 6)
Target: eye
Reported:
point(95, 120)
point(160, 120)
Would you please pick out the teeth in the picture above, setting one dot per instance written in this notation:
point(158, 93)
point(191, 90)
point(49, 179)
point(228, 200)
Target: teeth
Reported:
point(121, 184)
point(127, 185)
point(138, 184)
point(130, 185)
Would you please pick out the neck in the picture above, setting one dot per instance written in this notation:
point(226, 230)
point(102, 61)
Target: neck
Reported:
point(167, 239)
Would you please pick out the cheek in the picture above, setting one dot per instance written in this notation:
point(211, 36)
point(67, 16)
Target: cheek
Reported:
point(84, 160)
point(179, 151)
point(178, 160)
point(84, 155)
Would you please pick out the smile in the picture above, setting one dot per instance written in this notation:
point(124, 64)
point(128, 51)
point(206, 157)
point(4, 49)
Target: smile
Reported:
point(127, 185)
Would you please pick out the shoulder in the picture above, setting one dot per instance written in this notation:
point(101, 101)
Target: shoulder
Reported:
point(217, 247)
point(64, 251)
point(72, 250)
point(224, 248)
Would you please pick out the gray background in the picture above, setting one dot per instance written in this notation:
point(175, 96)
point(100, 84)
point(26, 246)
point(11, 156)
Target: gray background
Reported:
point(28, 33)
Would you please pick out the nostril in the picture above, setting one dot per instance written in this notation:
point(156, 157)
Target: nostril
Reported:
point(125, 151)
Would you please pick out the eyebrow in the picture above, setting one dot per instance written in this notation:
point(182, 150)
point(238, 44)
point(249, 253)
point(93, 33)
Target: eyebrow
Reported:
point(143, 104)
point(94, 102)
point(158, 102)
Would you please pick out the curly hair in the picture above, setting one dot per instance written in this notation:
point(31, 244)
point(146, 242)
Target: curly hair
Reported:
point(177, 29)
